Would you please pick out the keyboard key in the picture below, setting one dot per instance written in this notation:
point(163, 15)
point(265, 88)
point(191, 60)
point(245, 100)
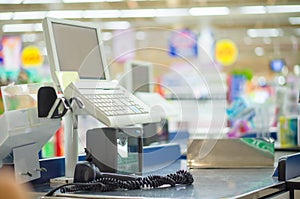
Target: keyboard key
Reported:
point(135, 109)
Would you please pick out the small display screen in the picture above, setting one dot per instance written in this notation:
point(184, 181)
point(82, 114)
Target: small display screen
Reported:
point(78, 50)
point(277, 65)
point(140, 78)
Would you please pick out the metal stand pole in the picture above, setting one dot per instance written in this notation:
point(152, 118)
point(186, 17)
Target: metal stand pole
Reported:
point(71, 143)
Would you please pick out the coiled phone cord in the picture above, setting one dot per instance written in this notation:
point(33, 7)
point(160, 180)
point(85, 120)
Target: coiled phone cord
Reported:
point(103, 184)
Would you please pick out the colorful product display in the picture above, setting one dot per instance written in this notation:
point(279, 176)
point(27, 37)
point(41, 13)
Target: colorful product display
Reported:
point(288, 131)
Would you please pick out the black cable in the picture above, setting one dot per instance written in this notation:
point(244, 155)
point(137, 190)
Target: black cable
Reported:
point(104, 183)
point(182, 177)
point(72, 186)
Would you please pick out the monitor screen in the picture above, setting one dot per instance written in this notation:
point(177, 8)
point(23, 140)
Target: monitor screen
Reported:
point(78, 49)
point(277, 65)
point(140, 78)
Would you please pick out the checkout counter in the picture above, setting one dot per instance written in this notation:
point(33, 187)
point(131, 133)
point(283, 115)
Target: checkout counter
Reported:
point(208, 183)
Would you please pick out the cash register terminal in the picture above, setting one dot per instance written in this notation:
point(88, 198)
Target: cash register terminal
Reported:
point(78, 47)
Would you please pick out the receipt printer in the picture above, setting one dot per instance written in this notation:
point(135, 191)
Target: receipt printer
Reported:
point(116, 150)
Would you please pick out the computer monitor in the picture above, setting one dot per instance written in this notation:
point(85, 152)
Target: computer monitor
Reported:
point(138, 76)
point(67, 53)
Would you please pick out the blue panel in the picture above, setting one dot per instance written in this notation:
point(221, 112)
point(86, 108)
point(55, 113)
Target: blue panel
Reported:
point(293, 166)
point(288, 167)
point(160, 156)
point(55, 168)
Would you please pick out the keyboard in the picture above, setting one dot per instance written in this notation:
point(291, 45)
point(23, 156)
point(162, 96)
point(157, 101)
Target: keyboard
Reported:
point(116, 102)
point(112, 105)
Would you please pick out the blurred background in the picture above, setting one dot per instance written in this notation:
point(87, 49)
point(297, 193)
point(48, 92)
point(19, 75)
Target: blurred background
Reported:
point(223, 50)
point(262, 30)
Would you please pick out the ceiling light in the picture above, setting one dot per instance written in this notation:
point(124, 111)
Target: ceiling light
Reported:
point(40, 1)
point(65, 14)
point(82, 1)
point(138, 13)
point(208, 11)
point(115, 25)
point(171, 12)
point(265, 32)
point(252, 10)
point(10, 1)
point(29, 15)
point(5, 15)
point(37, 27)
point(283, 9)
point(294, 20)
point(17, 28)
point(101, 14)
point(22, 27)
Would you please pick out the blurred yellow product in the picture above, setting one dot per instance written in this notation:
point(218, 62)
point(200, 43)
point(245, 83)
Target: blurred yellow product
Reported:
point(288, 130)
point(32, 56)
point(226, 52)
